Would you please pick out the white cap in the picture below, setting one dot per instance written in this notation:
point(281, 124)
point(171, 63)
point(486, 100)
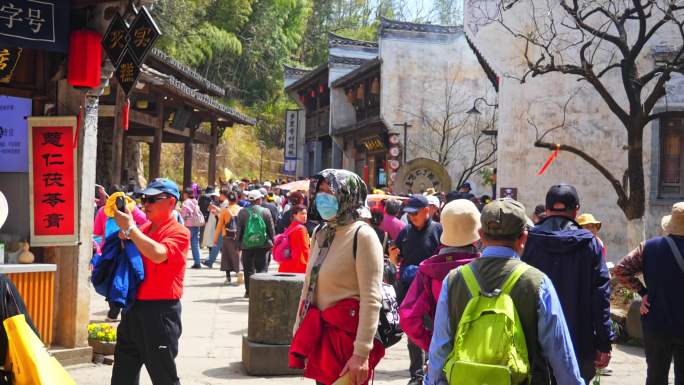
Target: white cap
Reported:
point(433, 200)
point(267, 184)
point(254, 195)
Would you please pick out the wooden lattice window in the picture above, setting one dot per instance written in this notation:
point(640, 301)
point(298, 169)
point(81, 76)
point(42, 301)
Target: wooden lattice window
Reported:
point(671, 159)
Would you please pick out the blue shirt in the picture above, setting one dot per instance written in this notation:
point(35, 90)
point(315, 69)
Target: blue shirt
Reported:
point(554, 337)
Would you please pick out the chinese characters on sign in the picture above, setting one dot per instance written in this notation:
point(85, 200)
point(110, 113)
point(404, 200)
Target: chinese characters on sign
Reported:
point(53, 193)
point(13, 133)
point(35, 24)
point(127, 46)
point(291, 134)
point(9, 57)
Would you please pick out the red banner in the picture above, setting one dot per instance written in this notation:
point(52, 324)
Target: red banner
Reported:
point(53, 180)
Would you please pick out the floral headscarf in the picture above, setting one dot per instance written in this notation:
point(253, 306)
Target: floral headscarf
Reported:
point(349, 189)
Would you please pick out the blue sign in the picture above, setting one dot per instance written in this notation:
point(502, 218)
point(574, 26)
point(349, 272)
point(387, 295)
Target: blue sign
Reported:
point(14, 133)
point(35, 24)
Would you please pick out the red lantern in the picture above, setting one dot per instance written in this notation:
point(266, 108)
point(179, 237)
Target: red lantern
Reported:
point(85, 59)
point(321, 88)
point(125, 110)
point(312, 93)
point(302, 98)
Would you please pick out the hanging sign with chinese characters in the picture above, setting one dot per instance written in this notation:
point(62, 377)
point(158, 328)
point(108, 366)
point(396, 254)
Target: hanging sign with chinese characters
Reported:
point(52, 181)
point(127, 46)
point(35, 24)
point(291, 134)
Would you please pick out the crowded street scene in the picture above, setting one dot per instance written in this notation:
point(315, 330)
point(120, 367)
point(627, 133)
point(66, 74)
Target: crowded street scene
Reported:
point(342, 192)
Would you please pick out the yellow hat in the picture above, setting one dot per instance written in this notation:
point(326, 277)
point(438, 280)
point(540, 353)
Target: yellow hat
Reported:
point(110, 205)
point(588, 219)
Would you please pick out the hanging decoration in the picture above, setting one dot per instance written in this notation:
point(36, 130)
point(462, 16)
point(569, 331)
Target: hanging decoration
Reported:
point(85, 59)
point(360, 92)
point(321, 89)
point(312, 93)
point(375, 87)
point(124, 114)
point(548, 162)
point(302, 98)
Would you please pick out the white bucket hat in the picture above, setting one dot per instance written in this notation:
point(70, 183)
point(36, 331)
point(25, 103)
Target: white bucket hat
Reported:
point(673, 224)
point(461, 222)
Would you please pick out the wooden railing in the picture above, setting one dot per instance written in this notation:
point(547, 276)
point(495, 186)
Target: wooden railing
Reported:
point(318, 122)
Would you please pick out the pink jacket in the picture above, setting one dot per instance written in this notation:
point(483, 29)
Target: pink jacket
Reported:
point(417, 311)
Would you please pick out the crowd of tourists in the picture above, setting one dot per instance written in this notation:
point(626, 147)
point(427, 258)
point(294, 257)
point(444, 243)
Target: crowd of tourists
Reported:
point(484, 291)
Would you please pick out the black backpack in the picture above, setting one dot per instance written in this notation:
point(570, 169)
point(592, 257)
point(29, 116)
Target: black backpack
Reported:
point(231, 227)
point(389, 332)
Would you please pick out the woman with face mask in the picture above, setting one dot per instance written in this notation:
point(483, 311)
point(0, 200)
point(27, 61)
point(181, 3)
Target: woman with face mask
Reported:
point(341, 299)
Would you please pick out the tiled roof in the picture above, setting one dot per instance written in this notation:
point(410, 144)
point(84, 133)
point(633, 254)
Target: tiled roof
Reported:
point(387, 25)
point(160, 57)
point(294, 71)
point(354, 61)
point(337, 40)
point(491, 75)
point(348, 78)
point(206, 101)
point(307, 77)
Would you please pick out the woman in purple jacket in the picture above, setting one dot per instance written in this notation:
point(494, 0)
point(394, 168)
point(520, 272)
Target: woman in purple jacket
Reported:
point(461, 222)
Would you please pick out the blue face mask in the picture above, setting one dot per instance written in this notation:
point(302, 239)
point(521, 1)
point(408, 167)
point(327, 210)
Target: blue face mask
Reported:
point(327, 205)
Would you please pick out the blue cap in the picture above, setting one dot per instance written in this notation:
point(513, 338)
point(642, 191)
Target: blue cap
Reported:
point(162, 186)
point(415, 203)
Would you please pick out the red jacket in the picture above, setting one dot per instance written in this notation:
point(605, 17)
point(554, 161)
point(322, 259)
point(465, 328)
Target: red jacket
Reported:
point(324, 342)
point(299, 249)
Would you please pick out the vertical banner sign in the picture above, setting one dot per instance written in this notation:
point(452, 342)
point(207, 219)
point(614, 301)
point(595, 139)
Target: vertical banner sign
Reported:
point(52, 165)
point(291, 134)
point(13, 133)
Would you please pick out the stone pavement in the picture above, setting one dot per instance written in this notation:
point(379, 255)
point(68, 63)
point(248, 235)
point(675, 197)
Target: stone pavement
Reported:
point(215, 318)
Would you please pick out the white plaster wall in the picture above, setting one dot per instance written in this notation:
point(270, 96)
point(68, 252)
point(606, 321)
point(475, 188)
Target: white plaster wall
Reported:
point(416, 70)
point(590, 125)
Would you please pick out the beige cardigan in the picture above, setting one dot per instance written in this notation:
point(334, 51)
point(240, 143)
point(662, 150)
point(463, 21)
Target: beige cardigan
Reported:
point(341, 276)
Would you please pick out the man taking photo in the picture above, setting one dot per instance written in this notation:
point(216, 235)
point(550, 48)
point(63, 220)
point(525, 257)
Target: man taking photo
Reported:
point(149, 331)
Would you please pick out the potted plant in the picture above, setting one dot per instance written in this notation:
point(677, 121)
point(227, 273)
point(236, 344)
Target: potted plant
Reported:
point(102, 338)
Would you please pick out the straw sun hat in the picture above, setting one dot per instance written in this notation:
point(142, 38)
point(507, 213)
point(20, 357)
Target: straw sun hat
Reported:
point(461, 222)
point(673, 224)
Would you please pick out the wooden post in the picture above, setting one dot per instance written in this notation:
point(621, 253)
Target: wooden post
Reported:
point(117, 137)
point(187, 163)
point(156, 147)
point(212, 151)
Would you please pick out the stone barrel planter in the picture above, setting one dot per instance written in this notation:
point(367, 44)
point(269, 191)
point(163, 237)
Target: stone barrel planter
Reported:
point(273, 302)
point(102, 347)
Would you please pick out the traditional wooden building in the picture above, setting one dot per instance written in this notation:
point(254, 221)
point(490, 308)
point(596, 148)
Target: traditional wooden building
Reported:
point(170, 103)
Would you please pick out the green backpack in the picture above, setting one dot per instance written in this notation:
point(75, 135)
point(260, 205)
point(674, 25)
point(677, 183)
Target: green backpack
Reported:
point(255, 230)
point(489, 345)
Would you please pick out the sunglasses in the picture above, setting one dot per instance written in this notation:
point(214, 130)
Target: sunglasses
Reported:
point(153, 199)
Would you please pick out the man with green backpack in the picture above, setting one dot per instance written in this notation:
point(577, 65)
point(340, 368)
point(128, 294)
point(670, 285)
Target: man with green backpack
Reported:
point(499, 320)
point(255, 234)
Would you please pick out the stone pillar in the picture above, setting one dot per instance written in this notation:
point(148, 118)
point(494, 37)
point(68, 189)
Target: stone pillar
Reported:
point(274, 299)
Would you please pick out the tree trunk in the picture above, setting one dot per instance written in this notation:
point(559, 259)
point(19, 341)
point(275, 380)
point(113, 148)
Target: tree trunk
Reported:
point(636, 232)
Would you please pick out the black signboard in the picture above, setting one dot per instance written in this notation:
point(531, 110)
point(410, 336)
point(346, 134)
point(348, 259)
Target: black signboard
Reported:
point(127, 72)
point(127, 46)
point(142, 35)
point(115, 39)
point(9, 57)
point(35, 24)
